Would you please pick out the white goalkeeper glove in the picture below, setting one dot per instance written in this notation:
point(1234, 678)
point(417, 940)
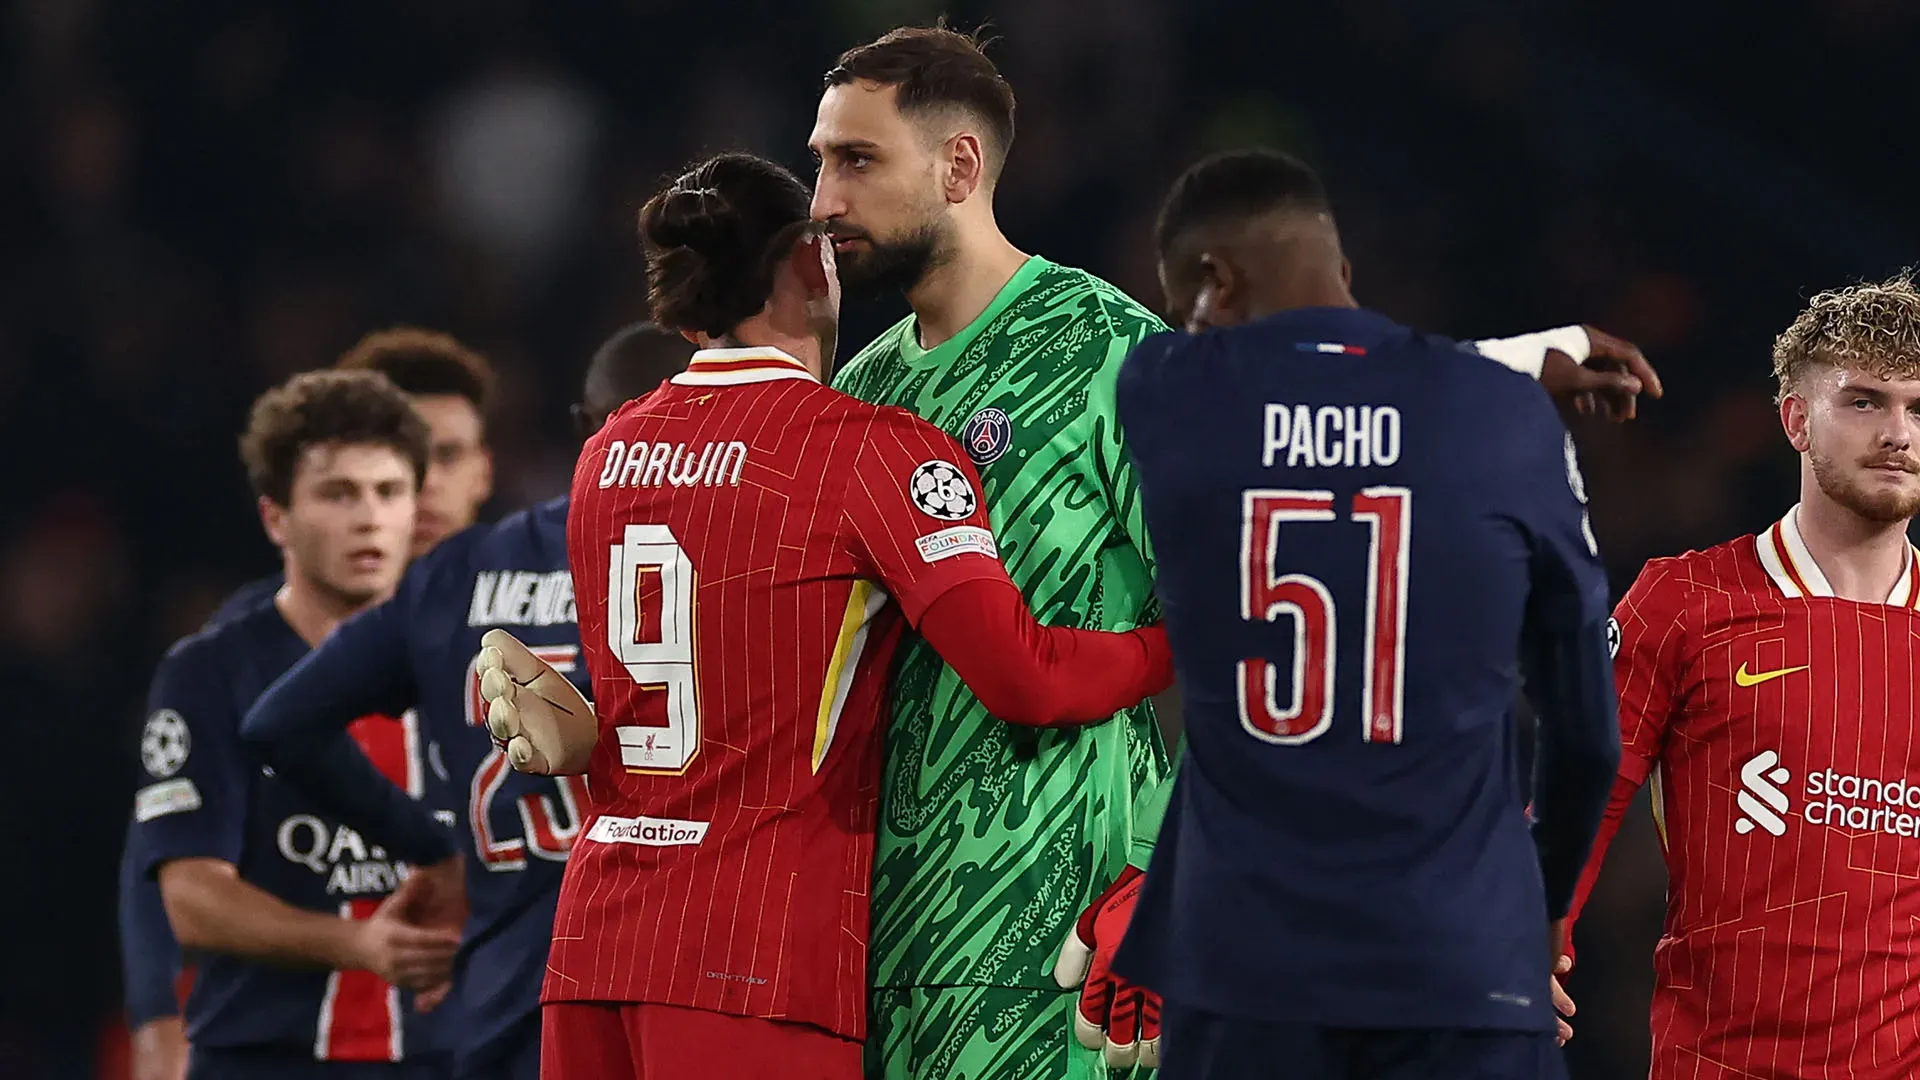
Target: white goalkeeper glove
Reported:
point(546, 725)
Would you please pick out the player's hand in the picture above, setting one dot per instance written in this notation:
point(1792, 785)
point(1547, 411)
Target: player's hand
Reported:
point(408, 956)
point(160, 1049)
point(546, 727)
point(1609, 382)
point(430, 999)
point(1563, 1006)
point(1562, 965)
point(1113, 1016)
point(438, 899)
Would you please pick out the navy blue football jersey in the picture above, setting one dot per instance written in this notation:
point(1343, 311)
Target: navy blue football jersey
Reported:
point(150, 962)
point(205, 795)
point(1356, 526)
point(416, 652)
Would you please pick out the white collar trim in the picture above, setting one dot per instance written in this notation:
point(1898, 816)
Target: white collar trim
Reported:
point(736, 367)
point(1783, 553)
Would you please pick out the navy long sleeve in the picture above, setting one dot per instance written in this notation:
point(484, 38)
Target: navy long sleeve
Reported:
point(299, 726)
point(149, 954)
point(1570, 679)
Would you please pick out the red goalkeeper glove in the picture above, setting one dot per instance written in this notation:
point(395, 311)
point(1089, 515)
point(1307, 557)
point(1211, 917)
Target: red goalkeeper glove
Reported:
point(1113, 1015)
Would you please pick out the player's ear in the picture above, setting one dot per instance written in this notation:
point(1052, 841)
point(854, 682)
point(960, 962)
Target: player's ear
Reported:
point(486, 474)
point(1217, 296)
point(812, 261)
point(1793, 417)
point(1346, 272)
point(966, 166)
point(273, 518)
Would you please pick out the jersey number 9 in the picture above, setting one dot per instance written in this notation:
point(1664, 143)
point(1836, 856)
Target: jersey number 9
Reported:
point(1267, 597)
point(650, 592)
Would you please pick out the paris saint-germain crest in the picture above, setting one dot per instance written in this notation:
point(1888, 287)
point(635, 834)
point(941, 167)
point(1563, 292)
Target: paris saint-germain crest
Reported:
point(987, 436)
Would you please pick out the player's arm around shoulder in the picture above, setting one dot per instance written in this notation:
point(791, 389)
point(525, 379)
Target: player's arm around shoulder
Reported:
point(917, 525)
point(911, 508)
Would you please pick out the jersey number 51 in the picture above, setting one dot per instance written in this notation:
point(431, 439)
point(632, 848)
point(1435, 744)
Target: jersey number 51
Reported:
point(1268, 596)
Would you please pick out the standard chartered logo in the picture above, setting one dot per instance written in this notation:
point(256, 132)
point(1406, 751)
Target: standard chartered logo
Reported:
point(1860, 804)
point(1760, 797)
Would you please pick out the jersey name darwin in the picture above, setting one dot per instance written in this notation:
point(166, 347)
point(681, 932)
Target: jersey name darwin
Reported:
point(675, 464)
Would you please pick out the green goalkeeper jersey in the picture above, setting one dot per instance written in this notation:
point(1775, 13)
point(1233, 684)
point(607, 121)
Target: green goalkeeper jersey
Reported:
point(993, 838)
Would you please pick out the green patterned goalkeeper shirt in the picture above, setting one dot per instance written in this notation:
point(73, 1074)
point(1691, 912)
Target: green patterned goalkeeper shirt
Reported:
point(993, 838)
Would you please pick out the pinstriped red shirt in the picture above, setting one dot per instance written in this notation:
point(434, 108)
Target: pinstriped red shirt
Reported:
point(745, 543)
point(1780, 729)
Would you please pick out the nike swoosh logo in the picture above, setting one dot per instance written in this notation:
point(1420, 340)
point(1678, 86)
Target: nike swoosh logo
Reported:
point(1742, 678)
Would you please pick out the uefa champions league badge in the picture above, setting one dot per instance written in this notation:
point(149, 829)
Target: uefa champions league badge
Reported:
point(165, 744)
point(987, 436)
point(939, 491)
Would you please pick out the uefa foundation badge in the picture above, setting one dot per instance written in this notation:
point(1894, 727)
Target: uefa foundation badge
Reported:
point(987, 436)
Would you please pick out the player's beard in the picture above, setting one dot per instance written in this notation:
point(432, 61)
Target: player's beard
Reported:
point(1840, 485)
point(895, 264)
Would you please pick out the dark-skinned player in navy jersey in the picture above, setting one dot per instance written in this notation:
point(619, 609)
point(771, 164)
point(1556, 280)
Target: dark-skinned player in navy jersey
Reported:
point(750, 545)
point(416, 652)
point(1358, 527)
point(450, 386)
point(310, 941)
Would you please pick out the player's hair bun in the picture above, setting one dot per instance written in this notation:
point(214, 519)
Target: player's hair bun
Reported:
point(709, 240)
point(692, 217)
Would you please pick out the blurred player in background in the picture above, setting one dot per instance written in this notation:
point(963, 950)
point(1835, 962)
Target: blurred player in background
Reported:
point(451, 386)
point(1767, 691)
point(1356, 524)
point(750, 545)
point(301, 928)
point(992, 838)
point(416, 651)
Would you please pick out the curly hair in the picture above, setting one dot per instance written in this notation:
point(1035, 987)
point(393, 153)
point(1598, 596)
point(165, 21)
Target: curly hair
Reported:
point(1871, 326)
point(331, 406)
point(424, 362)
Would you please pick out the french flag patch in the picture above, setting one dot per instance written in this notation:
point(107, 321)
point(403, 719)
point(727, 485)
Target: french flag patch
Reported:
point(1330, 347)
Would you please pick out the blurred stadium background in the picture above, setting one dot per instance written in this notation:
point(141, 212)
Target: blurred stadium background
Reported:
point(199, 199)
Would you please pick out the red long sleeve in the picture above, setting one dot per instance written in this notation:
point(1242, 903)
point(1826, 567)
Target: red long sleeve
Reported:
point(1625, 786)
point(1041, 676)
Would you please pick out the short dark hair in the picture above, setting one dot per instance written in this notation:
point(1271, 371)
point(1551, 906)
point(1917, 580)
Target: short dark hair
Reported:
point(424, 362)
point(330, 406)
point(936, 67)
point(1235, 186)
point(713, 238)
point(630, 364)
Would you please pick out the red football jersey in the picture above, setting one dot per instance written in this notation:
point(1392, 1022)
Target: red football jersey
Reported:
point(1780, 728)
point(744, 543)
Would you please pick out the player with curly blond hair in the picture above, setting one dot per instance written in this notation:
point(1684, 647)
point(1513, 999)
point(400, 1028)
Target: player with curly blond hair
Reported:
point(1767, 693)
